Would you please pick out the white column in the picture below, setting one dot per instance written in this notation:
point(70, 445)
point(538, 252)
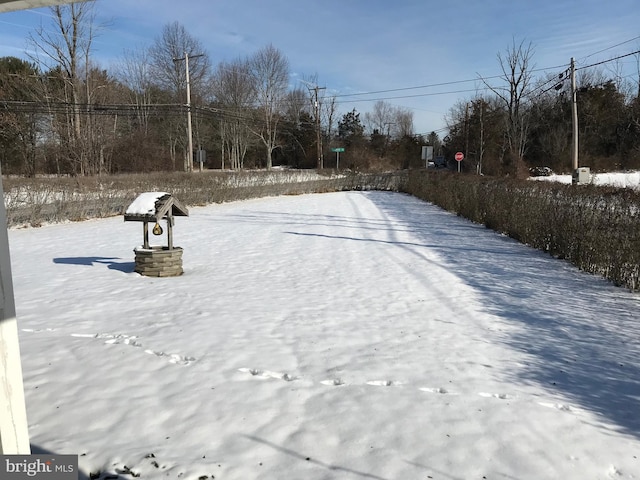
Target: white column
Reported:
point(14, 431)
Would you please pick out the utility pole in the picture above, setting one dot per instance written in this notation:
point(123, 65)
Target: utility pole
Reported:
point(387, 138)
point(318, 132)
point(316, 108)
point(479, 164)
point(466, 131)
point(574, 116)
point(189, 130)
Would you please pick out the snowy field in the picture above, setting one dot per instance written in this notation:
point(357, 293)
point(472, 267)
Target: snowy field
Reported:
point(359, 335)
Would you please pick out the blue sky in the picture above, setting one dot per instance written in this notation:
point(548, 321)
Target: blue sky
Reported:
point(357, 46)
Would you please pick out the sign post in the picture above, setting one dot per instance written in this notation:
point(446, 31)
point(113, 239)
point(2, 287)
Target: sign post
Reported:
point(427, 154)
point(459, 157)
point(337, 150)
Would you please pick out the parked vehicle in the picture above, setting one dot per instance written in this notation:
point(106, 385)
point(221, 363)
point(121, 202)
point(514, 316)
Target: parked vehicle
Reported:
point(540, 171)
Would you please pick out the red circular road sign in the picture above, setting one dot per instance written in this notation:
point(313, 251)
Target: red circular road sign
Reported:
point(459, 156)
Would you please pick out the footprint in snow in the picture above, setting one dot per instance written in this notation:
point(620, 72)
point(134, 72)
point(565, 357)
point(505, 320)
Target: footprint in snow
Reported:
point(111, 339)
point(172, 357)
point(613, 472)
point(500, 396)
point(383, 383)
point(336, 382)
point(132, 341)
point(125, 340)
point(264, 374)
point(435, 390)
point(558, 406)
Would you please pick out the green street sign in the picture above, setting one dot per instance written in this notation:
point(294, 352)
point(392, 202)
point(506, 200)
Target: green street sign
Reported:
point(339, 149)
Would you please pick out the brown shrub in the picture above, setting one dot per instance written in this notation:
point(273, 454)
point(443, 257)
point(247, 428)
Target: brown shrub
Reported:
point(34, 201)
point(595, 228)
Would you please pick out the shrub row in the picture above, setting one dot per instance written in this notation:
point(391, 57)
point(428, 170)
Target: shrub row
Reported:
point(34, 201)
point(596, 228)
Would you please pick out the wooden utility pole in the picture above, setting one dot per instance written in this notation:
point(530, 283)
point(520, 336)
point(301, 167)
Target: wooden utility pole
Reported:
point(189, 129)
point(388, 136)
point(316, 111)
point(466, 131)
point(574, 116)
point(318, 132)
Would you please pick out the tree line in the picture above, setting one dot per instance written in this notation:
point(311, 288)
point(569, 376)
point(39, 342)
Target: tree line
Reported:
point(525, 122)
point(61, 113)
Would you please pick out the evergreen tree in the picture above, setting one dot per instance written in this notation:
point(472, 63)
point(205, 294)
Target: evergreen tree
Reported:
point(350, 129)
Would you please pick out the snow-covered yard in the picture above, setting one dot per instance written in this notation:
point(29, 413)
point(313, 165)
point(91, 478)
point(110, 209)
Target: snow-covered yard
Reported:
point(359, 335)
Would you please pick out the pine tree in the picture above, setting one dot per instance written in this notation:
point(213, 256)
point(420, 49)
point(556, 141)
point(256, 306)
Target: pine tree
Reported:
point(350, 128)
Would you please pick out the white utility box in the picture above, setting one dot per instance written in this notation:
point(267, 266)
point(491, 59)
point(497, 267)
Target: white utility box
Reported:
point(581, 176)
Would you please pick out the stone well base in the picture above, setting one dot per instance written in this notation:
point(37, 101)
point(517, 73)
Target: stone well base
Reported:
point(158, 261)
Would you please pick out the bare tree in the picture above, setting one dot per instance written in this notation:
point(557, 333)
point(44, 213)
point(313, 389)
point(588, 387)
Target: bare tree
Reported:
point(19, 81)
point(166, 55)
point(382, 115)
point(169, 55)
point(389, 120)
point(517, 74)
point(134, 71)
point(233, 91)
point(296, 102)
point(67, 49)
point(270, 72)
point(329, 110)
point(403, 122)
point(637, 74)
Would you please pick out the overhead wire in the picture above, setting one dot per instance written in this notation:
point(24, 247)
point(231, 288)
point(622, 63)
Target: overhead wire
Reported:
point(611, 47)
point(609, 60)
point(416, 95)
point(180, 108)
point(432, 85)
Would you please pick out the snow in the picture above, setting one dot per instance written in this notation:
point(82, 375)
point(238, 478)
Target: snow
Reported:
point(614, 179)
point(145, 203)
point(354, 335)
point(618, 179)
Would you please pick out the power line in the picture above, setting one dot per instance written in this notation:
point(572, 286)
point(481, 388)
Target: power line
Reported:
point(612, 46)
point(454, 82)
point(176, 109)
point(416, 95)
point(125, 109)
point(557, 82)
point(432, 85)
point(564, 74)
point(609, 60)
